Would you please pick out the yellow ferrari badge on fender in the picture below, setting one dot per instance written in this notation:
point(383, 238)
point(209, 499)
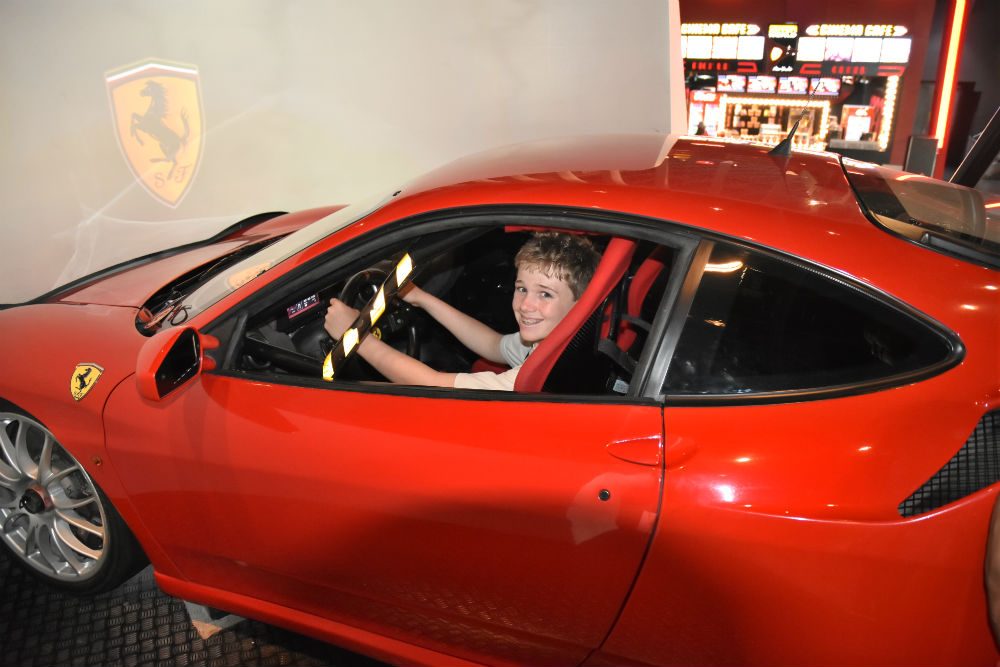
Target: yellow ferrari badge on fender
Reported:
point(84, 378)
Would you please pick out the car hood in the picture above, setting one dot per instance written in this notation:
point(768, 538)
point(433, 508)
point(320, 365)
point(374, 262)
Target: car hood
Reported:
point(133, 284)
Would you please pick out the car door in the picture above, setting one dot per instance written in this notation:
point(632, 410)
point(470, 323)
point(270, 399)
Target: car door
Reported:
point(480, 524)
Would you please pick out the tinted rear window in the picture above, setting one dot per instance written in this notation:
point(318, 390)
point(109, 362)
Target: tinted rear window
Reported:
point(949, 218)
point(759, 324)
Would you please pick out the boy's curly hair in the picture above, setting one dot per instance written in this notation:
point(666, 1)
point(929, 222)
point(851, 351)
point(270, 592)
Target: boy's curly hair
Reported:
point(571, 258)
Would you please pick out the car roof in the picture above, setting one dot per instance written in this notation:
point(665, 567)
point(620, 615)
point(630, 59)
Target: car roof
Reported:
point(702, 167)
point(801, 205)
point(795, 203)
point(733, 188)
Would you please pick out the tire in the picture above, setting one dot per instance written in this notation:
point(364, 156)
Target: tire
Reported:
point(54, 520)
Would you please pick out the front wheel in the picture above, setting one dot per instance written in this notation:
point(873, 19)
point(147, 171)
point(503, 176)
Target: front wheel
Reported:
point(54, 519)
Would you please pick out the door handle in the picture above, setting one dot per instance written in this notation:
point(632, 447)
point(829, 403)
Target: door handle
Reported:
point(643, 451)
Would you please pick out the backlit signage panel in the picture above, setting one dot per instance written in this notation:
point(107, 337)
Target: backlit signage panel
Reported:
point(761, 84)
point(824, 86)
point(895, 50)
point(750, 48)
point(724, 48)
point(699, 47)
point(821, 50)
point(838, 49)
point(719, 29)
point(793, 85)
point(783, 31)
point(855, 30)
point(731, 83)
point(811, 49)
point(867, 50)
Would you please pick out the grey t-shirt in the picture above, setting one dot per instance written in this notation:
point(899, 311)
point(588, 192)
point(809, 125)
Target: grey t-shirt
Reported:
point(513, 350)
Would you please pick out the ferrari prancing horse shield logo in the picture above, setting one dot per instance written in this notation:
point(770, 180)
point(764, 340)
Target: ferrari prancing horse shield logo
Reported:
point(158, 121)
point(84, 378)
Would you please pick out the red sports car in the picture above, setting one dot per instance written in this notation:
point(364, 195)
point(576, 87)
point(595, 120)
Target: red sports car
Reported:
point(767, 433)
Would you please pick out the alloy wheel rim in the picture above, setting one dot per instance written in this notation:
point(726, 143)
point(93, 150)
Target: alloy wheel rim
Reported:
point(50, 514)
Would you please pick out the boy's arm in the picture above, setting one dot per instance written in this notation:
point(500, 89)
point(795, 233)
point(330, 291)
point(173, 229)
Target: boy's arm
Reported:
point(401, 368)
point(387, 360)
point(472, 333)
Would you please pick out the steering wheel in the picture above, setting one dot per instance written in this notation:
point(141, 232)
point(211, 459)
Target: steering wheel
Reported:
point(397, 320)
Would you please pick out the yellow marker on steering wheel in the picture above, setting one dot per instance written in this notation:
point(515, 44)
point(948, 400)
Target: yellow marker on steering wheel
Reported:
point(367, 317)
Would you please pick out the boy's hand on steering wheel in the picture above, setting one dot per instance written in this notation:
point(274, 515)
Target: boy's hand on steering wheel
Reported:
point(339, 316)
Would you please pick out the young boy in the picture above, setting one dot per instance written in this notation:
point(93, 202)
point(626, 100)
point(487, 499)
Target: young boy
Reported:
point(553, 269)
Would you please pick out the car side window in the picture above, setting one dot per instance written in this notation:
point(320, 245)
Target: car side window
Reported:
point(763, 324)
point(471, 269)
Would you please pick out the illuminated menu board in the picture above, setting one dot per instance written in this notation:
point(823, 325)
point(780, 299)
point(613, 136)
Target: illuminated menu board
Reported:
point(719, 29)
point(824, 86)
point(856, 30)
point(793, 85)
point(708, 47)
point(751, 48)
point(761, 84)
point(724, 48)
point(895, 51)
point(821, 50)
point(697, 47)
point(838, 49)
point(854, 49)
point(866, 50)
point(811, 49)
point(731, 83)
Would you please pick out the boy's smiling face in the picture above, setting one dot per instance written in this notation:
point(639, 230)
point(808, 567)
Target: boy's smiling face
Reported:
point(540, 303)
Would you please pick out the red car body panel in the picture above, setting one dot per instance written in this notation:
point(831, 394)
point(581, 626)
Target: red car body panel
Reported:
point(430, 542)
point(763, 534)
point(819, 482)
point(55, 336)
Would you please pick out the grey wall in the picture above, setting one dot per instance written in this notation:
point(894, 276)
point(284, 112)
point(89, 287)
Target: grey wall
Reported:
point(304, 103)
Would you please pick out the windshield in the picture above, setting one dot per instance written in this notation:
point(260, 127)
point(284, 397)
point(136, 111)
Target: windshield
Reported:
point(241, 273)
point(949, 218)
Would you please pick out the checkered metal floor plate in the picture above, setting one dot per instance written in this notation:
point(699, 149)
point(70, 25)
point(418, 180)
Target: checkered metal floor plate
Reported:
point(136, 625)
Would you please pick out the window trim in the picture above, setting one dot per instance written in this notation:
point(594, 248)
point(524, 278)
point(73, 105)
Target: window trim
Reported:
point(674, 310)
point(231, 324)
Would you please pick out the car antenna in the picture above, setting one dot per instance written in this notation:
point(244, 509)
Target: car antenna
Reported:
point(784, 147)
